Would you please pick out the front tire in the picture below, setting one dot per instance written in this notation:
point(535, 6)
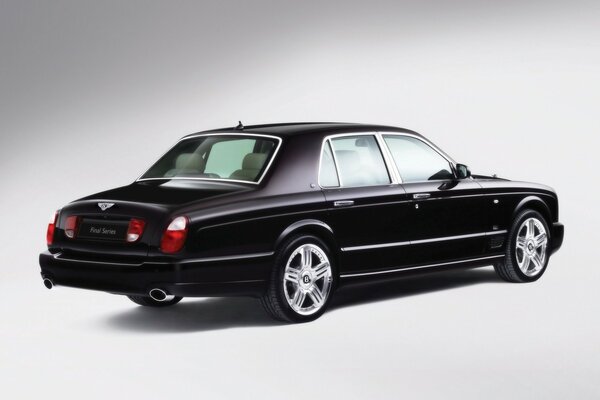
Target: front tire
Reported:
point(302, 280)
point(527, 249)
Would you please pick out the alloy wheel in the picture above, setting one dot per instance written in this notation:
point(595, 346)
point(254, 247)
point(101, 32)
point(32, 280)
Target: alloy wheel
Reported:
point(307, 279)
point(531, 245)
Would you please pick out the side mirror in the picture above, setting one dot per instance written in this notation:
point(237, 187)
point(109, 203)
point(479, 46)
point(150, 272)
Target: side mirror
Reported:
point(462, 171)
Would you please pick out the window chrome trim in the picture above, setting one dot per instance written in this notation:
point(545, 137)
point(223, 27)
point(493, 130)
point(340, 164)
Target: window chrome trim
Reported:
point(324, 143)
point(426, 142)
point(391, 173)
point(389, 160)
point(389, 271)
point(193, 136)
point(422, 241)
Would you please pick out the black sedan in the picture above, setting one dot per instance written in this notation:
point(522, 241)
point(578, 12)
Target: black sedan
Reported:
point(290, 212)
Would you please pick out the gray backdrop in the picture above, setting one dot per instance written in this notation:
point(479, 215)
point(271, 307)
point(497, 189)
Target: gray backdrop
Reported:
point(92, 92)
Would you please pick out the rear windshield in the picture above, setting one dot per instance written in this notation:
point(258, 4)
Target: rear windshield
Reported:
point(230, 157)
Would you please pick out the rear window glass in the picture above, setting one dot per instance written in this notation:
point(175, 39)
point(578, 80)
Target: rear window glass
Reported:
point(229, 157)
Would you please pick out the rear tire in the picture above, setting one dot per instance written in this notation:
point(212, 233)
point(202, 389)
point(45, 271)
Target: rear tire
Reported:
point(302, 281)
point(527, 249)
point(148, 301)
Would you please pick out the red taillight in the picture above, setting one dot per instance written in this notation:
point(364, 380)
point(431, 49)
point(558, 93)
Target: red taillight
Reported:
point(51, 228)
point(71, 226)
point(135, 230)
point(174, 236)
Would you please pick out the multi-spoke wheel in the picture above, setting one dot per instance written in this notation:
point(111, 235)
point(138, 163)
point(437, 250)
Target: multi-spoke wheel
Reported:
point(307, 279)
point(302, 280)
point(526, 250)
point(530, 246)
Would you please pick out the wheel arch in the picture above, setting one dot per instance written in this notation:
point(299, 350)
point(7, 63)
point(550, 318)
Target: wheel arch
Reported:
point(310, 227)
point(533, 203)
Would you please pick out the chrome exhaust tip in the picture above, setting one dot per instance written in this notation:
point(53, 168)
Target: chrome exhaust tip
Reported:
point(48, 283)
point(159, 295)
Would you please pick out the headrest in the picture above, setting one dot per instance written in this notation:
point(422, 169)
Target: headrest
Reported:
point(254, 160)
point(189, 161)
point(348, 158)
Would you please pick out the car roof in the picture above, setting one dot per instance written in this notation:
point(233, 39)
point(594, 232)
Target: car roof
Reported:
point(301, 128)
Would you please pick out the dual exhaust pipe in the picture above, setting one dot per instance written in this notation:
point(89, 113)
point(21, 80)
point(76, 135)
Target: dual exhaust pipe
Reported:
point(159, 295)
point(155, 294)
point(48, 283)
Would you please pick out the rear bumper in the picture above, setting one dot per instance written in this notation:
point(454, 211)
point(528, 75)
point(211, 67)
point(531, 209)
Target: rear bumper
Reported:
point(558, 233)
point(234, 276)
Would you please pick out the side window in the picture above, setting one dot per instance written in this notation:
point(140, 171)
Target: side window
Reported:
point(328, 174)
point(227, 156)
point(416, 160)
point(359, 161)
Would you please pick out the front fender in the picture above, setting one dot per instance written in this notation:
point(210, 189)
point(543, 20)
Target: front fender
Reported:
point(535, 203)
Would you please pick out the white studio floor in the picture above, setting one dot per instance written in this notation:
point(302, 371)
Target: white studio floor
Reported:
point(455, 334)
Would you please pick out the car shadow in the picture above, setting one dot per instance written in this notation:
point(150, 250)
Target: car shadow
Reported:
point(225, 313)
point(411, 286)
point(193, 315)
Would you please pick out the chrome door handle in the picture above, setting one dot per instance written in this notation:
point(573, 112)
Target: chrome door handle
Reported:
point(421, 196)
point(343, 203)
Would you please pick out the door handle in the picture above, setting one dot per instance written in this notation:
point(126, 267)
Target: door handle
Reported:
point(421, 195)
point(343, 203)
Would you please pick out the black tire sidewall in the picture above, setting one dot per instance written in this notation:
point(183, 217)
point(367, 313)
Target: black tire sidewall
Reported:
point(511, 252)
point(280, 262)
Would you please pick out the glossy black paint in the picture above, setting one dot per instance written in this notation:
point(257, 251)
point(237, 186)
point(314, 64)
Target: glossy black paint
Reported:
point(235, 228)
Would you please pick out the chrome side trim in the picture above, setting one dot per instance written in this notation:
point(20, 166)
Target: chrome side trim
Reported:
point(226, 258)
point(375, 246)
point(187, 261)
point(277, 138)
point(389, 271)
point(421, 241)
point(457, 237)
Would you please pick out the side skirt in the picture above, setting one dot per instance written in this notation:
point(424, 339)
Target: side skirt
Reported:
point(469, 263)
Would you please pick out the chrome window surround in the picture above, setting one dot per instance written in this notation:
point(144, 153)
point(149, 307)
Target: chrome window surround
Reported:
point(382, 148)
point(388, 159)
point(426, 142)
point(278, 139)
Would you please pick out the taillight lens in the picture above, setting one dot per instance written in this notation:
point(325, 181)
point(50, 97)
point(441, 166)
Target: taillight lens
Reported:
point(51, 229)
point(135, 229)
point(71, 226)
point(174, 236)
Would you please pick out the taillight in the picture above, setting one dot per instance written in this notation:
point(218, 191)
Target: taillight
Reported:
point(71, 226)
point(135, 229)
point(174, 236)
point(51, 228)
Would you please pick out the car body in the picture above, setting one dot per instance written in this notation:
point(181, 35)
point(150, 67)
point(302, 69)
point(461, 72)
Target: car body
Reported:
point(365, 194)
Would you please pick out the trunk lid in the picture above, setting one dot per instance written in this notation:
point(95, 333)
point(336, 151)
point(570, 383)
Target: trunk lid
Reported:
point(104, 217)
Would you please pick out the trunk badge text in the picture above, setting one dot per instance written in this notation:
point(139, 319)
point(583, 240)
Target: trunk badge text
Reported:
point(105, 206)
